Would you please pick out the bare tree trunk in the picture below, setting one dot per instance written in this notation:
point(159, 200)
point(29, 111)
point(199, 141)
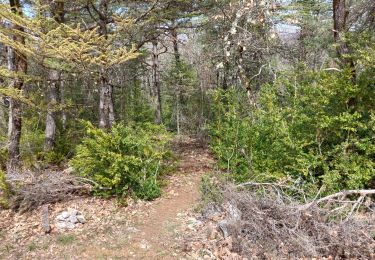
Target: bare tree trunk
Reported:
point(177, 58)
point(175, 45)
point(156, 82)
point(16, 62)
point(57, 11)
point(340, 15)
point(53, 95)
point(3, 125)
point(106, 108)
point(4, 101)
point(106, 111)
point(64, 116)
point(178, 115)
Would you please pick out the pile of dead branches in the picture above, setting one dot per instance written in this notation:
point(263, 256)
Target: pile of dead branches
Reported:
point(263, 222)
point(30, 190)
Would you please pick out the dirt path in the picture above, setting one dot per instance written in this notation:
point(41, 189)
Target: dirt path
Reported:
point(142, 230)
point(158, 235)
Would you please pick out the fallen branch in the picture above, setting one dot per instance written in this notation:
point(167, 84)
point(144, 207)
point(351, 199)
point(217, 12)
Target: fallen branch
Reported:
point(274, 228)
point(46, 188)
point(280, 185)
point(342, 194)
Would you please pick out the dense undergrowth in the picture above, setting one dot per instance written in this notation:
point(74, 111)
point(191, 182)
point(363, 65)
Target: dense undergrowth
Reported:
point(309, 129)
point(128, 160)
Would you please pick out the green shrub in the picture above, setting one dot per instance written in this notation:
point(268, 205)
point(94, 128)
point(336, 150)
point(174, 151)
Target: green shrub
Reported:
point(210, 190)
point(314, 129)
point(126, 161)
point(5, 191)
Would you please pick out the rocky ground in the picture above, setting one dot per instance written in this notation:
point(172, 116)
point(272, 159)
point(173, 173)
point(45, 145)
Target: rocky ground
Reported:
point(167, 228)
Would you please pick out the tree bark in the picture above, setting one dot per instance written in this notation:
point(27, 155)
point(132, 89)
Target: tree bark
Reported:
point(106, 111)
point(57, 11)
point(156, 82)
point(16, 62)
point(178, 115)
point(340, 15)
point(64, 116)
point(175, 44)
point(106, 107)
point(51, 118)
point(177, 58)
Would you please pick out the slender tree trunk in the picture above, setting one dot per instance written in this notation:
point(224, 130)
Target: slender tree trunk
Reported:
point(175, 45)
point(302, 43)
point(156, 82)
point(177, 58)
point(226, 75)
point(106, 111)
point(64, 116)
point(58, 13)
point(3, 119)
point(178, 115)
point(106, 107)
point(16, 62)
point(3, 100)
point(51, 118)
point(340, 15)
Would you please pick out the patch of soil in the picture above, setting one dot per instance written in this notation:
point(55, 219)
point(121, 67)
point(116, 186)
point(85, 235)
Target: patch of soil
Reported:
point(142, 230)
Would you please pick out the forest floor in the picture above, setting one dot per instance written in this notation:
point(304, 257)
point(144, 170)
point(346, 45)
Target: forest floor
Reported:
point(141, 230)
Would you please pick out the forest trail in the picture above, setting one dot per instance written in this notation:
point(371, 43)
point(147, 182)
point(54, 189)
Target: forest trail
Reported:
point(157, 233)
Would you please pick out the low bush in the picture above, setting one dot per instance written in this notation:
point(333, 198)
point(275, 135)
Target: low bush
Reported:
point(210, 189)
point(128, 160)
point(5, 191)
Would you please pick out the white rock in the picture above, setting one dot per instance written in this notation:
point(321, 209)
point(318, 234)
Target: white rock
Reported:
point(81, 219)
point(234, 212)
point(132, 229)
point(73, 219)
point(223, 227)
point(64, 225)
point(60, 218)
point(64, 214)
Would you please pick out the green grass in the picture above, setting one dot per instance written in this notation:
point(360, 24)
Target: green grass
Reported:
point(32, 246)
point(65, 239)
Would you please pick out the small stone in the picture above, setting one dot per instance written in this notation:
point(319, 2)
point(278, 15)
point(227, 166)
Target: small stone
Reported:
point(63, 215)
point(223, 226)
point(73, 219)
point(70, 225)
point(234, 213)
point(81, 219)
point(132, 229)
point(60, 218)
point(64, 225)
